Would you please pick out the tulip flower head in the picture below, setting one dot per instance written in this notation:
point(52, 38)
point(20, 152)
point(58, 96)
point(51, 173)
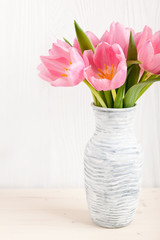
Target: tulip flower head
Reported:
point(148, 46)
point(106, 68)
point(117, 34)
point(121, 59)
point(63, 67)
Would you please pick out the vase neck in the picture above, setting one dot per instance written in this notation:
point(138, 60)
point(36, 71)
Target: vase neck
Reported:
point(117, 120)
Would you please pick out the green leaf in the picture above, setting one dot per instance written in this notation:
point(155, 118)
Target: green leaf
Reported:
point(132, 50)
point(133, 77)
point(120, 92)
point(119, 97)
point(96, 94)
point(109, 99)
point(132, 62)
point(129, 70)
point(67, 41)
point(133, 93)
point(101, 93)
point(96, 102)
point(84, 41)
point(147, 86)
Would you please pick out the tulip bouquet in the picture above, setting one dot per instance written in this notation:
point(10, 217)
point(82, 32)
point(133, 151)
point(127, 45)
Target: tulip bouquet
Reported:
point(118, 68)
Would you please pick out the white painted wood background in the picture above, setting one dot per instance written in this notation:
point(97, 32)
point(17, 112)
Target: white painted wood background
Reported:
point(43, 130)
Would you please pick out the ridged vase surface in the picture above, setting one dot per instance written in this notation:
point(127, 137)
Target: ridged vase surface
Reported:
point(113, 168)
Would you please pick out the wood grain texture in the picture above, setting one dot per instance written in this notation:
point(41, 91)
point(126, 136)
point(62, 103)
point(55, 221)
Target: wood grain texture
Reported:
point(44, 130)
point(62, 214)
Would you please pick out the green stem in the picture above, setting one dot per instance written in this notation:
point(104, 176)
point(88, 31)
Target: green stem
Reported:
point(96, 94)
point(96, 103)
point(142, 79)
point(109, 98)
point(118, 103)
point(113, 91)
point(101, 93)
point(94, 99)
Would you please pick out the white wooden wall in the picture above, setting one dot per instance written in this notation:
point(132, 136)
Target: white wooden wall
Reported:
point(43, 130)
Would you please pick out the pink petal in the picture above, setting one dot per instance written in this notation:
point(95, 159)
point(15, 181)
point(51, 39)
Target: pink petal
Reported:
point(63, 44)
point(104, 84)
point(89, 72)
point(146, 54)
point(76, 45)
point(54, 64)
point(137, 38)
point(155, 64)
point(104, 54)
point(64, 66)
point(141, 73)
point(120, 77)
point(75, 75)
point(119, 52)
point(62, 82)
point(100, 84)
point(46, 75)
point(88, 57)
point(75, 56)
point(105, 37)
point(119, 34)
point(144, 36)
point(59, 50)
point(156, 42)
point(92, 78)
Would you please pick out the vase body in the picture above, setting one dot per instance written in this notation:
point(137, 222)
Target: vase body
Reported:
point(113, 168)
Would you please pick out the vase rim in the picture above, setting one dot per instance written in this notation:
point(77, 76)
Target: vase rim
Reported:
point(113, 109)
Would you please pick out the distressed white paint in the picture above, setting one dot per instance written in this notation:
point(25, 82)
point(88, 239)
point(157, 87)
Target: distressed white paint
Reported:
point(43, 130)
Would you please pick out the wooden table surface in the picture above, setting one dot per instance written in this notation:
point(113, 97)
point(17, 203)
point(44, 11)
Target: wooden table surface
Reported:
point(57, 214)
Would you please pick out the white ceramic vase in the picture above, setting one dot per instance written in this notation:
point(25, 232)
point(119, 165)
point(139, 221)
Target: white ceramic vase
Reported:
point(113, 168)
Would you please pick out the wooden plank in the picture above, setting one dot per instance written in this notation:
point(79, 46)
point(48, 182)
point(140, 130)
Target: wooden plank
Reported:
point(62, 214)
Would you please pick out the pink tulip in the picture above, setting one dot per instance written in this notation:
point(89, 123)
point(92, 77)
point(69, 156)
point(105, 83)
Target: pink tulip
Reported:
point(63, 67)
point(93, 38)
point(141, 37)
point(106, 68)
point(117, 34)
point(148, 46)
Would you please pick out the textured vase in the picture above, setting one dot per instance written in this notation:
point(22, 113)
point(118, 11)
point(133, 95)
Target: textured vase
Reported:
point(113, 168)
